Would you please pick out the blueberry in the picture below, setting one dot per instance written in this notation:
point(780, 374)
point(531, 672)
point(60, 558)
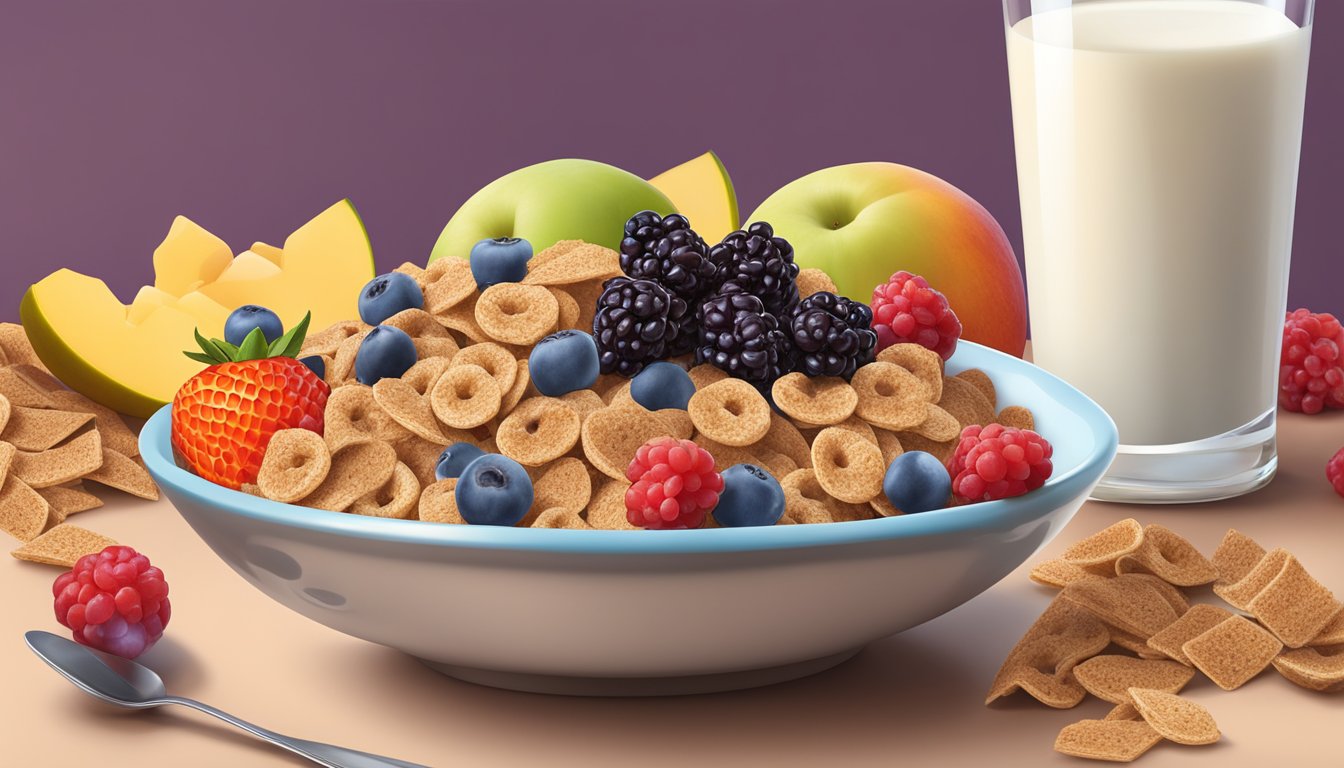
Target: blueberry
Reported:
point(751, 496)
point(386, 295)
point(917, 482)
point(315, 364)
point(454, 459)
point(662, 385)
point(493, 490)
point(243, 319)
point(386, 353)
point(563, 362)
point(499, 260)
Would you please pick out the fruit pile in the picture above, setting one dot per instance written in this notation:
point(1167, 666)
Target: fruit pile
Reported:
point(720, 386)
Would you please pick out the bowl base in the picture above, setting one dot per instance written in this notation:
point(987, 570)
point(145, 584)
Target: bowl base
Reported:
point(641, 686)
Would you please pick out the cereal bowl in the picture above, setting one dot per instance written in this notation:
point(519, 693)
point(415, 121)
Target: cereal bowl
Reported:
point(646, 612)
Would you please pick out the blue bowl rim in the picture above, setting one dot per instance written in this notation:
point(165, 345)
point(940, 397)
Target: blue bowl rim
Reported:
point(155, 447)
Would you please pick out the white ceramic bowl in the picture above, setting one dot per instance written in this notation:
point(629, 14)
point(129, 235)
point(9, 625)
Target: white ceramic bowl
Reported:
point(646, 612)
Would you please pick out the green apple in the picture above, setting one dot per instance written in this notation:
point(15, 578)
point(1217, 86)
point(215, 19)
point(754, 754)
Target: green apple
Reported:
point(552, 201)
point(861, 223)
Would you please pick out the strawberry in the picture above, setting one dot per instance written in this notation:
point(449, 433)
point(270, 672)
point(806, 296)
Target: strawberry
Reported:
point(224, 416)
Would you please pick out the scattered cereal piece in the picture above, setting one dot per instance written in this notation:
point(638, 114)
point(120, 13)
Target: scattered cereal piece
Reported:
point(1168, 556)
point(1125, 710)
point(63, 545)
point(342, 366)
point(23, 511)
point(1294, 606)
point(1236, 556)
point(821, 400)
point(1320, 669)
point(69, 500)
point(422, 376)
point(567, 309)
point(422, 455)
point(1134, 644)
point(1128, 603)
point(812, 280)
point(924, 363)
point(612, 435)
point(848, 468)
point(461, 317)
point(982, 382)
point(16, 348)
point(465, 396)
point(1118, 741)
point(1058, 573)
point(38, 429)
point(1110, 677)
point(356, 469)
point(1172, 594)
point(890, 397)
point(1177, 719)
point(124, 474)
point(784, 438)
point(21, 391)
point(584, 402)
point(731, 412)
point(295, 464)
point(1232, 652)
point(441, 348)
point(115, 434)
point(546, 255)
point(397, 498)
point(1097, 553)
point(438, 503)
point(1043, 661)
point(940, 450)
point(1332, 634)
point(858, 426)
point(71, 461)
point(677, 422)
point(1199, 619)
point(540, 429)
point(1240, 593)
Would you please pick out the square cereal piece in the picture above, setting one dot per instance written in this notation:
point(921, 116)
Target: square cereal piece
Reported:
point(1319, 669)
point(71, 461)
point(1233, 652)
point(1333, 634)
point(125, 475)
point(1199, 619)
point(1294, 606)
point(63, 545)
point(1236, 556)
point(1128, 602)
point(1119, 741)
point(1097, 553)
point(1042, 662)
point(1109, 677)
point(1239, 594)
point(1170, 557)
point(23, 512)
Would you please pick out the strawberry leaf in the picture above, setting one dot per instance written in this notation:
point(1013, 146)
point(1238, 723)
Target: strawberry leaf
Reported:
point(211, 349)
point(201, 357)
point(291, 343)
point(254, 347)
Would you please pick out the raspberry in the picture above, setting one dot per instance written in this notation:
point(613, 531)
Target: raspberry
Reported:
point(675, 485)
point(995, 462)
point(1311, 371)
point(1334, 472)
point(114, 601)
point(906, 309)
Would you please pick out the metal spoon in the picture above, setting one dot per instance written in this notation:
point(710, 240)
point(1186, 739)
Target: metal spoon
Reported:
point(128, 684)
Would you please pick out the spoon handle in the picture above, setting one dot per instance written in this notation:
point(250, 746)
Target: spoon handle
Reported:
point(328, 755)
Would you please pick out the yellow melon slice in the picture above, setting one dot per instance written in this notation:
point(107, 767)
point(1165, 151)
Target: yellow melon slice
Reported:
point(702, 191)
point(129, 358)
point(188, 257)
point(270, 252)
point(323, 266)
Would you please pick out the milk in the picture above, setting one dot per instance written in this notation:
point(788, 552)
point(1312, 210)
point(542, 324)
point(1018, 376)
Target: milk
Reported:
point(1157, 151)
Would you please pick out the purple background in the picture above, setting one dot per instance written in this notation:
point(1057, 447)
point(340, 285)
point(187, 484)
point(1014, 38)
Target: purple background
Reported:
point(250, 116)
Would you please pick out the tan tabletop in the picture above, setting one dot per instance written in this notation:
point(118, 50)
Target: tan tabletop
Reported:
point(913, 699)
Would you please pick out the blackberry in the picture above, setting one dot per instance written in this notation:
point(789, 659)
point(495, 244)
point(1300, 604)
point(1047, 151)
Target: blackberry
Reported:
point(833, 335)
point(666, 250)
point(634, 323)
point(760, 264)
point(740, 337)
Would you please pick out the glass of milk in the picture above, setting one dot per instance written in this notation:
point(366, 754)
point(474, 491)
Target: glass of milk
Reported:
point(1157, 154)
